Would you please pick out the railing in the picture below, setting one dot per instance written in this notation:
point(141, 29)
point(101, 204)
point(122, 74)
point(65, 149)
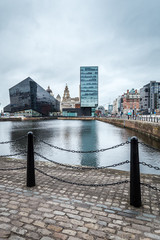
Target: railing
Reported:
point(135, 189)
point(149, 119)
point(140, 118)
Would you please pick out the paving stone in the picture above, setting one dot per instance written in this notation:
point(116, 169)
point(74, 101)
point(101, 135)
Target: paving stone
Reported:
point(74, 216)
point(152, 236)
point(90, 220)
point(97, 233)
point(33, 235)
point(47, 238)
point(15, 237)
point(39, 224)
point(131, 230)
point(59, 213)
point(5, 226)
point(43, 231)
point(69, 232)
point(82, 229)
point(54, 228)
point(4, 233)
point(56, 210)
point(60, 236)
point(19, 230)
point(26, 220)
point(85, 236)
point(141, 228)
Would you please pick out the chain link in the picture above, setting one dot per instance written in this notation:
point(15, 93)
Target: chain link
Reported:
point(12, 155)
point(149, 186)
point(82, 167)
point(11, 169)
point(149, 165)
point(75, 151)
point(16, 140)
point(146, 145)
point(82, 184)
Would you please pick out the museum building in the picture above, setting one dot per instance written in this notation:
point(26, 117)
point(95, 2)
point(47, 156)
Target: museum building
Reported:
point(27, 98)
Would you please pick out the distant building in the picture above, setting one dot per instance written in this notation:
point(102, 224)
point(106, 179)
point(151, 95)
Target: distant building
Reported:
point(50, 91)
point(67, 101)
point(131, 100)
point(89, 89)
point(117, 106)
point(88, 95)
point(150, 98)
point(110, 108)
point(101, 109)
point(27, 98)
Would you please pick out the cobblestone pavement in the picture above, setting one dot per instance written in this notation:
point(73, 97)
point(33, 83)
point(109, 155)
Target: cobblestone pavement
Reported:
point(58, 210)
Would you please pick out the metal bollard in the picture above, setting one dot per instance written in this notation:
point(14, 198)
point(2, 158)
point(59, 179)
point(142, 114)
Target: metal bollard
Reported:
point(30, 162)
point(135, 190)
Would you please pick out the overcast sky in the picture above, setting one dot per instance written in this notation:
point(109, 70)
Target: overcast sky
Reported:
point(48, 40)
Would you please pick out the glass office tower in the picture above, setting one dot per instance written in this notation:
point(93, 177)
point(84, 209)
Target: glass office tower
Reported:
point(89, 87)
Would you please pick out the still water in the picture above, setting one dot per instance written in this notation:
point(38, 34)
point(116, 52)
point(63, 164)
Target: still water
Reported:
point(79, 135)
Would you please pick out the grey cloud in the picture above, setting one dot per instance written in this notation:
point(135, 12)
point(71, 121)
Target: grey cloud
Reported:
point(49, 40)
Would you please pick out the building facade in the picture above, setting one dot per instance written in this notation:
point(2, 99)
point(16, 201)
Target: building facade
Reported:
point(150, 98)
point(131, 102)
point(27, 98)
point(67, 101)
point(89, 89)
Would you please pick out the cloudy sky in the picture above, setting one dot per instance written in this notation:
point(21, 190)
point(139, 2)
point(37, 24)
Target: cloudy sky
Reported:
point(49, 40)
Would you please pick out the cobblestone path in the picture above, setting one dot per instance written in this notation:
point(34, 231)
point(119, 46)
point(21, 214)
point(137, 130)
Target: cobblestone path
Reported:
point(57, 210)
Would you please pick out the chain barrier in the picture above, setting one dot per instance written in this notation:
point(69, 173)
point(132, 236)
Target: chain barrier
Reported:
point(82, 184)
point(16, 140)
point(12, 155)
point(75, 151)
point(146, 145)
point(12, 169)
point(149, 186)
point(81, 167)
point(149, 165)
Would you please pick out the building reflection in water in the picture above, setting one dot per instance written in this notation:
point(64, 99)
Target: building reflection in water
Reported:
point(22, 128)
point(89, 141)
point(78, 135)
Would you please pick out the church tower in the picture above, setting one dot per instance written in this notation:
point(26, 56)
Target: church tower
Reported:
point(66, 95)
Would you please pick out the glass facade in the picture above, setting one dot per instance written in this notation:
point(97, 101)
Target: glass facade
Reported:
point(89, 86)
point(29, 95)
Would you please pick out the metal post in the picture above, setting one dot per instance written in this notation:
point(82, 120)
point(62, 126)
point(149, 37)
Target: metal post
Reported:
point(30, 162)
point(135, 190)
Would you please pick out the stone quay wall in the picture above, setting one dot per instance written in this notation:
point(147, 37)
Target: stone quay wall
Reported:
point(149, 128)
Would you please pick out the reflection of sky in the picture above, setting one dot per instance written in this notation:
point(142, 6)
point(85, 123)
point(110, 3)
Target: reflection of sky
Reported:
point(79, 135)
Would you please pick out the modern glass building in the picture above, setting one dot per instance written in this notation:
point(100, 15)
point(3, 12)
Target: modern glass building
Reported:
point(28, 98)
point(89, 87)
point(150, 98)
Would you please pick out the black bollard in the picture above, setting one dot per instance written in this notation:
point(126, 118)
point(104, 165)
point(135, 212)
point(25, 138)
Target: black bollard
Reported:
point(30, 162)
point(135, 190)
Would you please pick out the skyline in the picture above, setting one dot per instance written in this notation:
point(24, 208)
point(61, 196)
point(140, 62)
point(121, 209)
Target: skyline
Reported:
point(49, 40)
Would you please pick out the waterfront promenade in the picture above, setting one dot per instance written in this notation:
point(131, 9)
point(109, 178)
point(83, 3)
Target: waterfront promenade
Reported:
point(57, 210)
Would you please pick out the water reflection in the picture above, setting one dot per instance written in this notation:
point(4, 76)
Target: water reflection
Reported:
point(79, 135)
point(89, 129)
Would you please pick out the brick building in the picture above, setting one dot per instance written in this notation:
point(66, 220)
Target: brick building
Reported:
point(131, 102)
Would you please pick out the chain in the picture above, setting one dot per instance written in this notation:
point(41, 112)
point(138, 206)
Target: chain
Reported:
point(146, 145)
point(12, 169)
point(16, 140)
point(149, 165)
point(149, 186)
point(81, 167)
point(12, 155)
point(91, 151)
point(82, 184)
